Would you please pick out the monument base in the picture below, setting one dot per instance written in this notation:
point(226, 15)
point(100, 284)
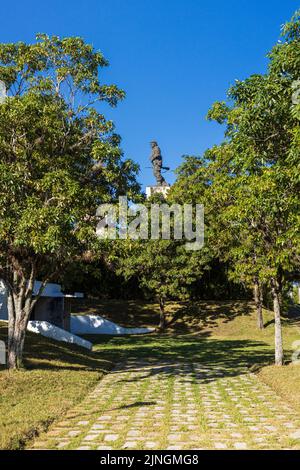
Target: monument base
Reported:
point(151, 190)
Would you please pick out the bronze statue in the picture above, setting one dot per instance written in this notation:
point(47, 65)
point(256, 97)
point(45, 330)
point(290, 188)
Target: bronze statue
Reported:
point(156, 160)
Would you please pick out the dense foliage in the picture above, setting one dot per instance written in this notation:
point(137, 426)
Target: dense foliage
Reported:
point(60, 159)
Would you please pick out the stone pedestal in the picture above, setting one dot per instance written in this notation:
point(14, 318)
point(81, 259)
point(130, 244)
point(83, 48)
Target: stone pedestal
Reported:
point(151, 190)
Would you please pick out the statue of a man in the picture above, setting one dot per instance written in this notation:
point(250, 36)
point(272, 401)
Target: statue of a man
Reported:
point(156, 160)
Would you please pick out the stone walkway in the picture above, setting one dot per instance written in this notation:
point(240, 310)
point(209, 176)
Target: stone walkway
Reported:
point(163, 405)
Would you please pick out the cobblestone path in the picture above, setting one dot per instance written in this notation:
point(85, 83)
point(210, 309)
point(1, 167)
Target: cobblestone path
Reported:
point(169, 405)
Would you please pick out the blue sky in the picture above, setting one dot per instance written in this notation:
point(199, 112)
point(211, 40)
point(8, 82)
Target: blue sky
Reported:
point(173, 58)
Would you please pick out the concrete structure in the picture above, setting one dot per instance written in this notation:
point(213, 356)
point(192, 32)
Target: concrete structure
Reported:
point(96, 325)
point(45, 328)
point(53, 306)
point(52, 318)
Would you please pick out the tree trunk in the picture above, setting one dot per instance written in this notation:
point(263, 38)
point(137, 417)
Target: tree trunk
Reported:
point(20, 304)
point(162, 318)
point(17, 324)
point(258, 303)
point(277, 317)
point(16, 346)
point(279, 290)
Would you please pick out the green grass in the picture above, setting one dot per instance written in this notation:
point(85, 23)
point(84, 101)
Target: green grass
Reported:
point(58, 375)
point(223, 339)
point(215, 333)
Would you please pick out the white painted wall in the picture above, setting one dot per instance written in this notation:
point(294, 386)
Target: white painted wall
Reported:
point(96, 325)
point(48, 330)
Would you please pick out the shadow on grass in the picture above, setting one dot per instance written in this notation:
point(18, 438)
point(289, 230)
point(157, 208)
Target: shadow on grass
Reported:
point(221, 356)
point(45, 353)
point(136, 404)
point(206, 315)
point(167, 353)
point(182, 317)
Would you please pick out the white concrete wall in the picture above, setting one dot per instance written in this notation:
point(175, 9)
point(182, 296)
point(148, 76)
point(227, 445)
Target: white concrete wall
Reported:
point(45, 328)
point(96, 325)
point(48, 330)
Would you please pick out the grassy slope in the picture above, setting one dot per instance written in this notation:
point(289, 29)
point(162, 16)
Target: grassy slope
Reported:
point(59, 375)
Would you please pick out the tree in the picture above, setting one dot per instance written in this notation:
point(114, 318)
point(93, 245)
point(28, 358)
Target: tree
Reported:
point(259, 168)
point(250, 183)
point(162, 266)
point(60, 159)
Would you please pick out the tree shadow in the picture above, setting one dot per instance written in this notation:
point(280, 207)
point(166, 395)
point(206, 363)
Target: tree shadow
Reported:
point(136, 404)
point(48, 354)
point(206, 315)
point(227, 357)
point(182, 317)
point(269, 323)
point(221, 357)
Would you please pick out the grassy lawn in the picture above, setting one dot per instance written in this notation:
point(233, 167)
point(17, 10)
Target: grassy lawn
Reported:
point(59, 376)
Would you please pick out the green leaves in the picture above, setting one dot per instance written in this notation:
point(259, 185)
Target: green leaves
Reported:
point(163, 267)
point(250, 183)
point(60, 157)
point(67, 67)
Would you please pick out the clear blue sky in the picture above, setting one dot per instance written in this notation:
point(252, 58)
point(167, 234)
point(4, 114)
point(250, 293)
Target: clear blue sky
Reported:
point(174, 58)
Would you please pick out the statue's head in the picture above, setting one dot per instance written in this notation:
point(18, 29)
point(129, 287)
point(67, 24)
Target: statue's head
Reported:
point(153, 143)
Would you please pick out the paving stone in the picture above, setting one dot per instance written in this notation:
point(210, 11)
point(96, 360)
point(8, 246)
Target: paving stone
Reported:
point(73, 433)
point(62, 444)
point(259, 439)
point(111, 437)
point(105, 418)
point(130, 445)
point(240, 445)
point(220, 445)
point(295, 435)
point(151, 445)
point(199, 416)
point(174, 437)
point(98, 426)
point(90, 437)
point(270, 428)
point(133, 432)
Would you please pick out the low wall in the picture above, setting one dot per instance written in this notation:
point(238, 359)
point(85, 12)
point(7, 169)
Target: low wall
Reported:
point(45, 328)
